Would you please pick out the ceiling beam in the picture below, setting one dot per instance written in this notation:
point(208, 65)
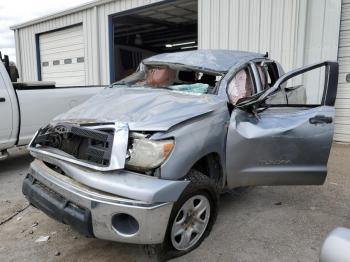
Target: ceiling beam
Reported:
point(165, 34)
point(172, 39)
point(140, 20)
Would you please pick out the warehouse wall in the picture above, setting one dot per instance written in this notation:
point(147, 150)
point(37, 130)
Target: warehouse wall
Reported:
point(291, 31)
point(254, 25)
point(95, 26)
point(294, 32)
point(342, 130)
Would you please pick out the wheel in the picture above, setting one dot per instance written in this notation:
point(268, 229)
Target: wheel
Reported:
point(192, 217)
point(190, 222)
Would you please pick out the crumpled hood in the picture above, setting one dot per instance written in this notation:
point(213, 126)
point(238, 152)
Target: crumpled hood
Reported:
point(143, 109)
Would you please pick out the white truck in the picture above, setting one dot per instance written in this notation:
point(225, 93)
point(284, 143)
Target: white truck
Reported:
point(25, 107)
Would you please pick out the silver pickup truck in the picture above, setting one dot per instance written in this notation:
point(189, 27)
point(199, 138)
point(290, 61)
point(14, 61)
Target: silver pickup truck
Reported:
point(145, 160)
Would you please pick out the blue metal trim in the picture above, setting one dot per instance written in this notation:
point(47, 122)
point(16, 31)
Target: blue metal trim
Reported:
point(111, 49)
point(38, 60)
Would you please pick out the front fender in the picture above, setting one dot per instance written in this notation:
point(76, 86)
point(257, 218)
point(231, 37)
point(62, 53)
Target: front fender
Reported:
point(193, 141)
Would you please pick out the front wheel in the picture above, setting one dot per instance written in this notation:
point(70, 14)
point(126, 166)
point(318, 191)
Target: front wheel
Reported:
point(190, 222)
point(192, 217)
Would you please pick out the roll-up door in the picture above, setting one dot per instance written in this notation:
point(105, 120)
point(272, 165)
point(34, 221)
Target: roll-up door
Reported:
point(62, 56)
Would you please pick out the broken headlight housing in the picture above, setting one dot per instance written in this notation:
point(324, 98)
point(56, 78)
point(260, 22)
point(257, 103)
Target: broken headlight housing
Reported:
point(145, 154)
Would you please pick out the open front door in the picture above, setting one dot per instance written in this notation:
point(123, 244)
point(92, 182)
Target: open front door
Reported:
point(283, 136)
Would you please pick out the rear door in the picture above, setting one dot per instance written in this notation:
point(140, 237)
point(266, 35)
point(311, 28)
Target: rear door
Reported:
point(283, 136)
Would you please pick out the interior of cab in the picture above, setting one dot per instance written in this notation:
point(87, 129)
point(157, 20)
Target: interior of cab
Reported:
point(243, 85)
point(174, 78)
point(289, 94)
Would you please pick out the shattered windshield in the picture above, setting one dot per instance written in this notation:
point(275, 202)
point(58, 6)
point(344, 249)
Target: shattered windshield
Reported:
point(173, 78)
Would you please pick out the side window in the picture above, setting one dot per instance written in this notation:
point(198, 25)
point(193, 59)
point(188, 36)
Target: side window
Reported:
point(241, 86)
point(305, 88)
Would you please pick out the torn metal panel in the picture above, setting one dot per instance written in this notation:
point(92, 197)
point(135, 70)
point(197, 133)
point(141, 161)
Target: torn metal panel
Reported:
point(108, 156)
point(143, 109)
point(124, 184)
point(280, 146)
point(272, 124)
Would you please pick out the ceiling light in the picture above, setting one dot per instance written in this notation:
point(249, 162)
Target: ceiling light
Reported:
point(180, 44)
point(189, 47)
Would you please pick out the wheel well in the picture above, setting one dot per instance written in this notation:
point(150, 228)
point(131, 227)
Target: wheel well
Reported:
point(210, 165)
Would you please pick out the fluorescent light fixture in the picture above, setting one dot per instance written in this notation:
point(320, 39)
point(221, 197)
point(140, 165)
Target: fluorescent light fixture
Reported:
point(179, 44)
point(189, 47)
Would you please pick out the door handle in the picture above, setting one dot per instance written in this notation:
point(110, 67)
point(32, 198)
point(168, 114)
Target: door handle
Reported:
point(2, 99)
point(320, 119)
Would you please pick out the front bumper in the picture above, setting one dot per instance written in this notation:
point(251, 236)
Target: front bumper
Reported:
point(90, 211)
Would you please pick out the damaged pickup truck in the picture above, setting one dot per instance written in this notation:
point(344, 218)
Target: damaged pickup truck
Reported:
point(145, 160)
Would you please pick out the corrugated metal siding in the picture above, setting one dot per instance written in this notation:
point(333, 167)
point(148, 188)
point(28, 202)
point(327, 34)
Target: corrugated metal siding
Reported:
point(254, 25)
point(95, 27)
point(287, 29)
point(294, 32)
point(342, 131)
point(322, 38)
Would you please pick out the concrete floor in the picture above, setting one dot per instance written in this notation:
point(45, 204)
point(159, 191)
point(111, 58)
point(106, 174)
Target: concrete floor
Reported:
point(261, 224)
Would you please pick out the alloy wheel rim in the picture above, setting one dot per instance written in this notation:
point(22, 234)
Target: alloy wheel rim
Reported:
point(190, 222)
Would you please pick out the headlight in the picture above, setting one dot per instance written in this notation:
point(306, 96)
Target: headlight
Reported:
point(145, 154)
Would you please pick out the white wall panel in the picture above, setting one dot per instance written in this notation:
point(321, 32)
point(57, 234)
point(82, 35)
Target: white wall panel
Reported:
point(253, 25)
point(294, 32)
point(342, 131)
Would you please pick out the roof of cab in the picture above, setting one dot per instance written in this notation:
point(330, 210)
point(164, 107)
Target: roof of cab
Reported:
point(213, 60)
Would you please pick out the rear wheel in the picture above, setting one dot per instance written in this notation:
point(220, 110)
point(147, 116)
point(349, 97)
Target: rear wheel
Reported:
point(192, 217)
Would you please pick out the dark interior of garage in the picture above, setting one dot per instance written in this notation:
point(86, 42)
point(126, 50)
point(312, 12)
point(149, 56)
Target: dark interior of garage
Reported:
point(166, 27)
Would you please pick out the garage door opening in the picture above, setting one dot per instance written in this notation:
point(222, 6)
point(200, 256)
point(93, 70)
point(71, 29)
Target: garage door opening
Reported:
point(160, 28)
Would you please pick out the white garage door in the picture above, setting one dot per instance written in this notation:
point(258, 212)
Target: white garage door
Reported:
point(62, 56)
point(342, 128)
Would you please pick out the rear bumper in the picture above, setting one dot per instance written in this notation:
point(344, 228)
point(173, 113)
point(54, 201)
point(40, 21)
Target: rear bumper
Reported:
point(90, 211)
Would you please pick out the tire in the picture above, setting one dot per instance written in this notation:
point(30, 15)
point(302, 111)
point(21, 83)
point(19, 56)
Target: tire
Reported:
point(201, 191)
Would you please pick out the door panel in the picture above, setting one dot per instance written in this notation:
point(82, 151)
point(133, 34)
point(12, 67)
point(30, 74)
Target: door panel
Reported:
point(281, 147)
point(286, 143)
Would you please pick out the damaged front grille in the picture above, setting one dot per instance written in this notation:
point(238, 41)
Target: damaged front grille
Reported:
point(83, 143)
